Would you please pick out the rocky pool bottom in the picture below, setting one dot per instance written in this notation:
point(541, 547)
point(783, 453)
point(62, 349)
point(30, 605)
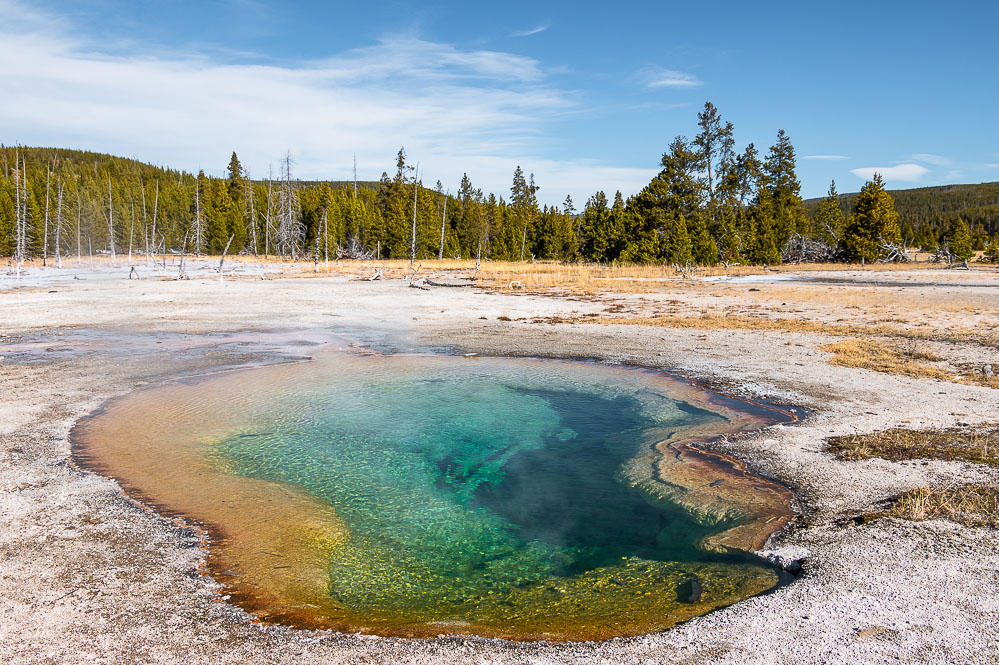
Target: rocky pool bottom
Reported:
point(420, 495)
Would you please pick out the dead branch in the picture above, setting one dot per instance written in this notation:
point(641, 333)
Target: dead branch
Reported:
point(354, 250)
point(431, 282)
point(802, 249)
point(892, 252)
point(180, 269)
point(685, 271)
point(224, 251)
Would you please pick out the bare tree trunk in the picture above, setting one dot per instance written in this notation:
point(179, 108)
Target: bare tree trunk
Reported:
point(24, 210)
point(440, 249)
point(58, 239)
point(110, 221)
point(45, 233)
point(412, 240)
point(156, 204)
point(326, 238)
point(355, 175)
point(523, 244)
point(180, 265)
point(222, 260)
point(17, 217)
point(290, 229)
point(253, 214)
point(315, 252)
point(79, 223)
point(267, 217)
point(131, 233)
point(197, 216)
point(145, 222)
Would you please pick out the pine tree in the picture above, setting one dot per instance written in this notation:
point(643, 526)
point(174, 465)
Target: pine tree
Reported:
point(788, 208)
point(761, 234)
point(873, 222)
point(235, 178)
point(830, 219)
point(992, 250)
point(960, 240)
point(703, 248)
point(524, 204)
point(714, 143)
point(676, 245)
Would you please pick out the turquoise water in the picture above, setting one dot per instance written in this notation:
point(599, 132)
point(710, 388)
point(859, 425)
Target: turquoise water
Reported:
point(463, 482)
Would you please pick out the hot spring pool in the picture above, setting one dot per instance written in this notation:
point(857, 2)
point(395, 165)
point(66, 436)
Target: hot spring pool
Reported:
point(419, 495)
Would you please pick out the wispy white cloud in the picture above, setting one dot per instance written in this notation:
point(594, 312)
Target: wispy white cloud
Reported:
point(934, 160)
point(455, 110)
point(657, 77)
point(828, 158)
point(897, 173)
point(528, 33)
point(992, 166)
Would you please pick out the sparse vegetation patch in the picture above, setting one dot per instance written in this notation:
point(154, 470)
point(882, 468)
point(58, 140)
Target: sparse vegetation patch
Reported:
point(979, 445)
point(971, 505)
point(880, 357)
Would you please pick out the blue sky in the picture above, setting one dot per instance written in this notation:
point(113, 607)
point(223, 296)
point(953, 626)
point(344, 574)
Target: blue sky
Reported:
point(586, 96)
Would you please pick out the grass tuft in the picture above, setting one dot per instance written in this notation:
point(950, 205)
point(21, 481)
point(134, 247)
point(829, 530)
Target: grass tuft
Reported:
point(787, 325)
point(878, 356)
point(971, 505)
point(978, 445)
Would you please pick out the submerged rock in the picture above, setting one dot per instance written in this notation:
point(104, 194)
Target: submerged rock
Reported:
point(689, 591)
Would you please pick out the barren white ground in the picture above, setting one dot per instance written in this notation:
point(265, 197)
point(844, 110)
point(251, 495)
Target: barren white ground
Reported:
point(88, 576)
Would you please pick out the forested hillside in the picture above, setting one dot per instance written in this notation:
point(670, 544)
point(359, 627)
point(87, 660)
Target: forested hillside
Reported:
point(929, 212)
point(708, 204)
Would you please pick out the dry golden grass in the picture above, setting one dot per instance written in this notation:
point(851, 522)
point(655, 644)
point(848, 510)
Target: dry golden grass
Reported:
point(974, 375)
point(871, 299)
point(574, 278)
point(788, 325)
point(877, 356)
point(979, 445)
point(591, 279)
point(971, 505)
point(900, 358)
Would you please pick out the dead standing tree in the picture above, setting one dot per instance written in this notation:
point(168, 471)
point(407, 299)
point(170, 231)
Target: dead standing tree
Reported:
point(60, 188)
point(412, 237)
point(18, 218)
point(267, 213)
point(197, 213)
point(253, 217)
point(45, 232)
point(290, 230)
point(111, 220)
point(440, 248)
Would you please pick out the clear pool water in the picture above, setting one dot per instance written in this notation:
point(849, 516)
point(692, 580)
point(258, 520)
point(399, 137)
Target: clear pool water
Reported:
point(504, 497)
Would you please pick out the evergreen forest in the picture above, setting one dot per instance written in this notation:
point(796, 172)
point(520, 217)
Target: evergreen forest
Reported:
point(709, 204)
